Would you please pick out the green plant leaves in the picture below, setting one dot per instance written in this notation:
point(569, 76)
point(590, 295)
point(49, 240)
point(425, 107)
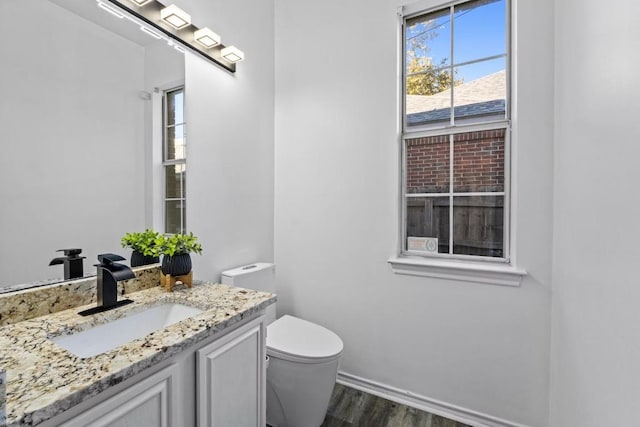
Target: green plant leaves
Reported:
point(145, 242)
point(152, 243)
point(181, 244)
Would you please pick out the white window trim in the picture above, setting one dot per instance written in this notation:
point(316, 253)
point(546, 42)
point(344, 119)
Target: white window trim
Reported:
point(503, 272)
point(465, 271)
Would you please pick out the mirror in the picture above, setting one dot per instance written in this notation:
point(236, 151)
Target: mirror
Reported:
point(76, 113)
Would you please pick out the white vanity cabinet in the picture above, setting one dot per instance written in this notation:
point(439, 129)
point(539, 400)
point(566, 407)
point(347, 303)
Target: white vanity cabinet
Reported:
point(151, 402)
point(220, 382)
point(231, 379)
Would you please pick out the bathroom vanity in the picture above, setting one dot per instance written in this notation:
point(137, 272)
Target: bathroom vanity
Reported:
point(208, 369)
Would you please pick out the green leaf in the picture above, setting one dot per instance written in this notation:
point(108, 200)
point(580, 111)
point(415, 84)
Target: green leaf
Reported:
point(148, 242)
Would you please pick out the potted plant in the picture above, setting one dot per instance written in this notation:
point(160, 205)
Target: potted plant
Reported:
point(146, 247)
point(176, 250)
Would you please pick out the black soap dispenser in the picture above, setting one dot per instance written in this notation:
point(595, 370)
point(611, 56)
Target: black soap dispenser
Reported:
point(72, 263)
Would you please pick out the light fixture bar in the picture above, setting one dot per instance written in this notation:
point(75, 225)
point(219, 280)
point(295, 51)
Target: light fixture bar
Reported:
point(152, 19)
point(110, 9)
point(150, 32)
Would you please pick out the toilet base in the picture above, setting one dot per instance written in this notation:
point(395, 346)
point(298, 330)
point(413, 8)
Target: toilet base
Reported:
point(298, 394)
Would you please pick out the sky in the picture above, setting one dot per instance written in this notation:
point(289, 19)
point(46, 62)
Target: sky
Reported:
point(478, 32)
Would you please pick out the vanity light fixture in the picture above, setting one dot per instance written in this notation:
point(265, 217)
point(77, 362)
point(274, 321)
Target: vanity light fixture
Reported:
point(173, 25)
point(175, 16)
point(150, 32)
point(206, 37)
point(110, 9)
point(232, 54)
point(176, 46)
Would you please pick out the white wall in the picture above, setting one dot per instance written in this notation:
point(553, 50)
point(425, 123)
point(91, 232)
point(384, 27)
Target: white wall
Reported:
point(595, 340)
point(481, 347)
point(71, 169)
point(230, 139)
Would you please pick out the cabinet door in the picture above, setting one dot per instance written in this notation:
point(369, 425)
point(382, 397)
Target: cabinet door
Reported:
point(149, 403)
point(231, 379)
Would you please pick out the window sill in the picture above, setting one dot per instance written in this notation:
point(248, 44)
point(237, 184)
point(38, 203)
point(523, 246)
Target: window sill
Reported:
point(492, 274)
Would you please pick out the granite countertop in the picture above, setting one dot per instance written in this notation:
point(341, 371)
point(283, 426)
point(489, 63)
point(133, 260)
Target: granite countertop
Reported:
point(43, 379)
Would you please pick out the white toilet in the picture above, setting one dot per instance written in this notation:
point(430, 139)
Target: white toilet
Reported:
point(303, 357)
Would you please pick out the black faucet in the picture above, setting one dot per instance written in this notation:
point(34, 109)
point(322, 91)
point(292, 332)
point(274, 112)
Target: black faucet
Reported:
point(109, 273)
point(72, 263)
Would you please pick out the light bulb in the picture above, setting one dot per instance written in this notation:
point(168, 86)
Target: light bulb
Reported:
point(232, 54)
point(206, 37)
point(175, 17)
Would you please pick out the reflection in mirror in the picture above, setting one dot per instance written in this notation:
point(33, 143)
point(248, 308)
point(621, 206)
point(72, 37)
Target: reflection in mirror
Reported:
point(175, 159)
point(77, 140)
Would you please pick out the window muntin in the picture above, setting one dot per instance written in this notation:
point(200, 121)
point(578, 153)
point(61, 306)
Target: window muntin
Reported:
point(174, 161)
point(456, 132)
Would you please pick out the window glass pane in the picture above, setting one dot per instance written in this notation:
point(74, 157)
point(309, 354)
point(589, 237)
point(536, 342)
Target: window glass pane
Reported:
point(427, 165)
point(428, 224)
point(480, 90)
point(479, 30)
point(175, 107)
point(175, 183)
point(478, 161)
point(176, 144)
point(478, 225)
point(426, 108)
point(428, 37)
point(174, 221)
point(428, 79)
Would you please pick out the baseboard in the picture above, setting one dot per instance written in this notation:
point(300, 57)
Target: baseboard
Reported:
point(423, 403)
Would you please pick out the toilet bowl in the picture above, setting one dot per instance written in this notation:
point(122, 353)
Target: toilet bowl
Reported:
point(303, 357)
point(303, 364)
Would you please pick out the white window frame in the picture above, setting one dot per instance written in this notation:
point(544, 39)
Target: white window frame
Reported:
point(158, 137)
point(470, 268)
point(173, 162)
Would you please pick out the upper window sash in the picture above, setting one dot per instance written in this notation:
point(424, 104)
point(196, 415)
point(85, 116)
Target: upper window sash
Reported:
point(443, 69)
point(174, 125)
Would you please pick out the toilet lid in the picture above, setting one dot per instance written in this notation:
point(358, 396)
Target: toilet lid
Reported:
point(297, 338)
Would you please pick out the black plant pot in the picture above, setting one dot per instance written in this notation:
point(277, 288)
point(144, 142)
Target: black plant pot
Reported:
point(138, 259)
point(177, 265)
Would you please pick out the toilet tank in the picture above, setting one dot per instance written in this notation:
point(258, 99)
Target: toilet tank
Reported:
point(258, 276)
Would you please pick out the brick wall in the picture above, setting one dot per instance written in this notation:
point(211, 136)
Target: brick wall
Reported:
point(478, 159)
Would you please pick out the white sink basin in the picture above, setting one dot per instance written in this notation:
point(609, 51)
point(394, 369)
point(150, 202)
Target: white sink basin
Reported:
point(118, 332)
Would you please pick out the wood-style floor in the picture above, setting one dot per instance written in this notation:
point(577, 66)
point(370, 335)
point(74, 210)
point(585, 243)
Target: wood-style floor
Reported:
point(354, 408)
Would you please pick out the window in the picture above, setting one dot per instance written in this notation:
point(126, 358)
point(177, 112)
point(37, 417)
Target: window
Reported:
point(174, 161)
point(456, 129)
